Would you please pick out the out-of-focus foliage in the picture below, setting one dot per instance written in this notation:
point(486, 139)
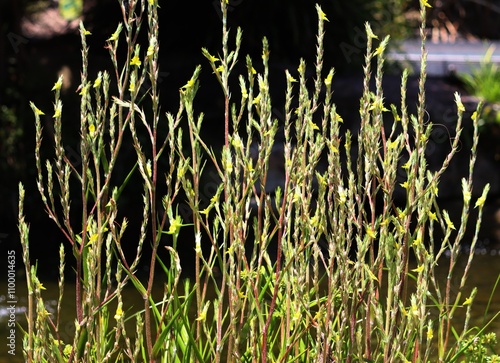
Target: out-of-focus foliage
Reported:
point(469, 19)
point(291, 29)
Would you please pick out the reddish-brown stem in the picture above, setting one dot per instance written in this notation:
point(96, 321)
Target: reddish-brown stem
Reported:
point(226, 120)
point(278, 269)
point(156, 238)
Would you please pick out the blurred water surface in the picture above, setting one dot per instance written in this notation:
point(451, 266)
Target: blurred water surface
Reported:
point(483, 275)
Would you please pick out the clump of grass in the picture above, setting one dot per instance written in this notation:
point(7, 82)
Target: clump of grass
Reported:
point(341, 286)
point(484, 83)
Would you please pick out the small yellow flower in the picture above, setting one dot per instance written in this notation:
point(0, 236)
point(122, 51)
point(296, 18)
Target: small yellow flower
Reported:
point(229, 166)
point(85, 31)
point(380, 49)
point(468, 301)
point(265, 55)
point(203, 314)
point(448, 221)
point(36, 110)
point(207, 209)
point(131, 88)
point(116, 34)
point(236, 142)
point(151, 51)
point(58, 109)
point(302, 68)
point(249, 167)
point(94, 236)
point(342, 195)
point(190, 84)
point(322, 180)
point(480, 201)
point(42, 313)
point(253, 71)
point(67, 350)
point(91, 130)
point(40, 286)
point(263, 85)
point(313, 125)
point(119, 311)
point(405, 184)
point(297, 196)
point(135, 61)
point(197, 247)
point(151, 48)
point(98, 81)
point(393, 144)
point(425, 3)
point(414, 308)
point(314, 221)
point(458, 101)
point(371, 233)
point(465, 191)
point(84, 90)
point(319, 315)
point(419, 269)
point(430, 333)
point(432, 216)
point(474, 116)
point(328, 79)
point(175, 225)
point(378, 105)
point(220, 69)
point(58, 84)
point(322, 15)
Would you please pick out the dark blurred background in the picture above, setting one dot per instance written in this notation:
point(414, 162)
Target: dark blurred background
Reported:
point(37, 44)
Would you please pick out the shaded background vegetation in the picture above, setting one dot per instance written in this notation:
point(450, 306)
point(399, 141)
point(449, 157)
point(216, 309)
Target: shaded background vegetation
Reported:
point(30, 64)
